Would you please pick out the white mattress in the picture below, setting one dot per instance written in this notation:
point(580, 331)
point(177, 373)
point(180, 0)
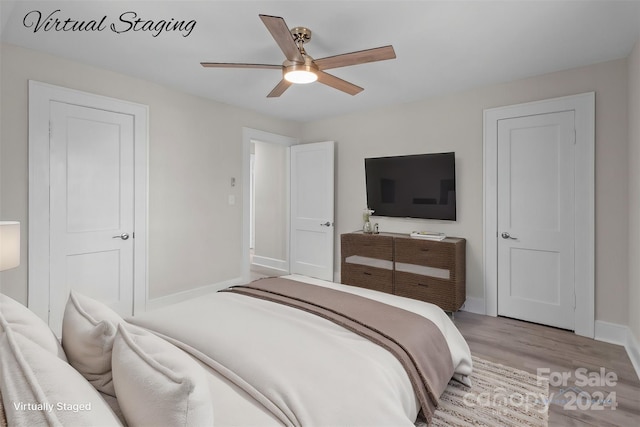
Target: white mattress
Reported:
point(187, 323)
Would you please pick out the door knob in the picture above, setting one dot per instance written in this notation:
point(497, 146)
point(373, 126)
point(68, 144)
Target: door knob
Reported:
point(326, 224)
point(123, 236)
point(506, 235)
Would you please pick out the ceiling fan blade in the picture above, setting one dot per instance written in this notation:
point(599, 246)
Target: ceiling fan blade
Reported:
point(338, 83)
point(279, 89)
point(238, 65)
point(354, 58)
point(281, 34)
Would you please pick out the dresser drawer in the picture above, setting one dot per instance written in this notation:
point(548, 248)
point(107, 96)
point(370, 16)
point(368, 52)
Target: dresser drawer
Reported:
point(425, 252)
point(367, 245)
point(427, 270)
point(365, 276)
point(436, 291)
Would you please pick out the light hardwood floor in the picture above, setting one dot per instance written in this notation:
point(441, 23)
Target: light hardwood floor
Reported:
point(258, 272)
point(530, 346)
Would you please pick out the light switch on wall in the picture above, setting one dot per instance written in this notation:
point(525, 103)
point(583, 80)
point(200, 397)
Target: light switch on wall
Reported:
point(232, 199)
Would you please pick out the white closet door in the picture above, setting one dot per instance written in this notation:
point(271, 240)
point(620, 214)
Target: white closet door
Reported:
point(536, 233)
point(91, 207)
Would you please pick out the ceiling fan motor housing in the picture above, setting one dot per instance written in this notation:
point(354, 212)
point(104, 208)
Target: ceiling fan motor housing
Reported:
point(301, 35)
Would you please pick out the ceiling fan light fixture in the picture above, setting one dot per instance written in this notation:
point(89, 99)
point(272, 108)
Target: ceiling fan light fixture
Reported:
point(301, 76)
point(300, 73)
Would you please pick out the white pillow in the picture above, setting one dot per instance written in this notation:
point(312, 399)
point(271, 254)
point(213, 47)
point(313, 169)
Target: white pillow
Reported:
point(38, 388)
point(25, 322)
point(157, 383)
point(88, 330)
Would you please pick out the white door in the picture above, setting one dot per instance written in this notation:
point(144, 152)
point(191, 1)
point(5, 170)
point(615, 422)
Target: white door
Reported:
point(312, 194)
point(536, 218)
point(91, 207)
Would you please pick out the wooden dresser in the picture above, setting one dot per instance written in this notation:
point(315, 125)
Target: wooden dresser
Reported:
point(432, 271)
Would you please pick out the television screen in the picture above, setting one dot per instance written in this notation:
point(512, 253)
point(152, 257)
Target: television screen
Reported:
point(416, 186)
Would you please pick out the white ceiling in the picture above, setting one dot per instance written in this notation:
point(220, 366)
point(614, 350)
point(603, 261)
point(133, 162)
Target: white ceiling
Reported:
point(441, 46)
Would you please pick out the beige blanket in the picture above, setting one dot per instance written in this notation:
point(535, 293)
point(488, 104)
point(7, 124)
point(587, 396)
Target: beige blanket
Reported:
point(415, 341)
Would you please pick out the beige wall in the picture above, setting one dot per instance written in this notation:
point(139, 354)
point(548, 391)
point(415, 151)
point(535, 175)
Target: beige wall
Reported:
point(454, 123)
point(634, 190)
point(195, 147)
point(271, 200)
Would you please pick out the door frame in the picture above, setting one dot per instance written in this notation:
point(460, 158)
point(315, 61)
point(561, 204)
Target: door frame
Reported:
point(249, 135)
point(584, 107)
point(40, 97)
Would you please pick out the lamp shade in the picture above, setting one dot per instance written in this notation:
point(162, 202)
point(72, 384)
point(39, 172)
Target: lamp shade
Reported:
point(9, 244)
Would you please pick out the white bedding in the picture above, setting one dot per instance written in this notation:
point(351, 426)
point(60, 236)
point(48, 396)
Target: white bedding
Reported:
point(299, 369)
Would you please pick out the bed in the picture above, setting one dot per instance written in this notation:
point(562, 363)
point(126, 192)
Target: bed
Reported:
point(231, 359)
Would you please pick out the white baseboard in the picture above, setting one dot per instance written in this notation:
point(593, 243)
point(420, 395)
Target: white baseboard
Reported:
point(272, 263)
point(633, 350)
point(474, 305)
point(156, 303)
point(614, 333)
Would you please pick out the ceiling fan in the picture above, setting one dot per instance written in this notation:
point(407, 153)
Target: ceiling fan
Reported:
point(299, 67)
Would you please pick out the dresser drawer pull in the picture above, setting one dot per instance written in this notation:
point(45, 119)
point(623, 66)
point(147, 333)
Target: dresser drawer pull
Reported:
point(366, 273)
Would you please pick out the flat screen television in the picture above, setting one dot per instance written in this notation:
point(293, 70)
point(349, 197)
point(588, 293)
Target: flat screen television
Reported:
point(415, 186)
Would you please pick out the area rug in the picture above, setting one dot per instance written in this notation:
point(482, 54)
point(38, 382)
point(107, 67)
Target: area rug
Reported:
point(499, 396)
